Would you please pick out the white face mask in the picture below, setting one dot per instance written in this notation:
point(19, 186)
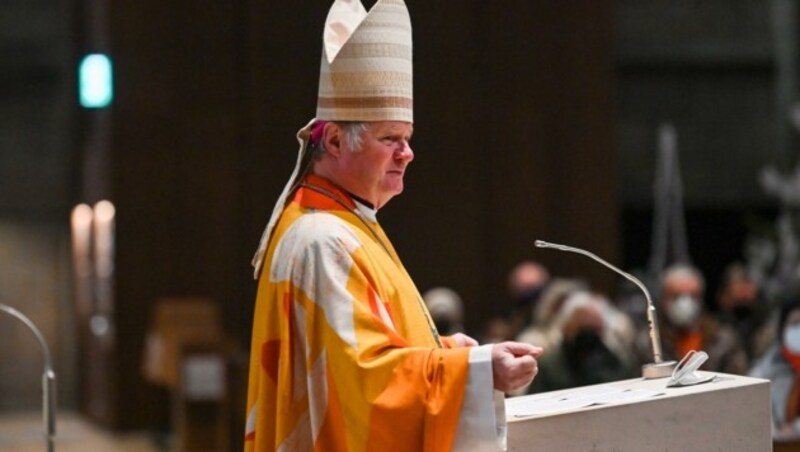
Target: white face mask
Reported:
point(683, 311)
point(791, 338)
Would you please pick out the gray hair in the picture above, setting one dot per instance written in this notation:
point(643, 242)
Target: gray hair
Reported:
point(353, 133)
point(683, 271)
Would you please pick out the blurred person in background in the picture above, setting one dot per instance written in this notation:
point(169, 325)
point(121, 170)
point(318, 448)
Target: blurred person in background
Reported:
point(686, 325)
point(620, 331)
point(542, 329)
point(447, 310)
point(585, 355)
point(742, 306)
point(526, 283)
point(781, 365)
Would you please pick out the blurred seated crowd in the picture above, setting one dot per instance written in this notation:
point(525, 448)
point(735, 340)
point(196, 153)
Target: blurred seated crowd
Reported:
point(590, 338)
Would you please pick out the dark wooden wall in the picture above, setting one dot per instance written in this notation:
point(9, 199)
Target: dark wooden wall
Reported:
point(513, 141)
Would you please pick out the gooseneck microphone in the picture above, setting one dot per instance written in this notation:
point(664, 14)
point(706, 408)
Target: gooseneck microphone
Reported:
point(658, 368)
point(48, 377)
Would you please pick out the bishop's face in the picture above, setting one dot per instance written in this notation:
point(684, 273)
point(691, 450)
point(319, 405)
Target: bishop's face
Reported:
point(375, 172)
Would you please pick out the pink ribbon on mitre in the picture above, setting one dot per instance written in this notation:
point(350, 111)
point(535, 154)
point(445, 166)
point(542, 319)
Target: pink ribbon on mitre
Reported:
point(316, 132)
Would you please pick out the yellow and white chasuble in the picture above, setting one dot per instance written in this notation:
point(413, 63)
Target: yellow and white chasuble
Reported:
point(344, 357)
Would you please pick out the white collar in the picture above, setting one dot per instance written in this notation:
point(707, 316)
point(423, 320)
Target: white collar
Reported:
point(366, 211)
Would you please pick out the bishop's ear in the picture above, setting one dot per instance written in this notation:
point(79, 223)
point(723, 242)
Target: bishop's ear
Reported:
point(332, 138)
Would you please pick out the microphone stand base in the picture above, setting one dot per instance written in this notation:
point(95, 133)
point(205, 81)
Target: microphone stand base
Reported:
point(658, 370)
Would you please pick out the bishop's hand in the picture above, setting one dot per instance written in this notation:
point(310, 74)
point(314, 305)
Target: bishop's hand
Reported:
point(514, 365)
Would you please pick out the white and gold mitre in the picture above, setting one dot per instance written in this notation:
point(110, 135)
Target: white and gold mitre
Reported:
point(366, 69)
point(365, 75)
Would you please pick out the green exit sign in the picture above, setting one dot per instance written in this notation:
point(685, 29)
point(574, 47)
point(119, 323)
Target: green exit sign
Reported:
point(95, 81)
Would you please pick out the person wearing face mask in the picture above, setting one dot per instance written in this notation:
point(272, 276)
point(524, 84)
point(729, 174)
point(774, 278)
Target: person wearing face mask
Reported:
point(584, 355)
point(781, 365)
point(544, 329)
point(742, 306)
point(686, 326)
point(527, 284)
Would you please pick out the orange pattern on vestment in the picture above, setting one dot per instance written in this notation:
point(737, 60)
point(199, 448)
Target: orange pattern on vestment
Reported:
point(343, 356)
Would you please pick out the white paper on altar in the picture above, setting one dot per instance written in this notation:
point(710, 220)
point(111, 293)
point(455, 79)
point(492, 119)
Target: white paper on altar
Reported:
point(580, 398)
